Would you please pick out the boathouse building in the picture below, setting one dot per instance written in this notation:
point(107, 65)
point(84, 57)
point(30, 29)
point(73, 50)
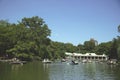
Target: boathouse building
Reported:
point(87, 56)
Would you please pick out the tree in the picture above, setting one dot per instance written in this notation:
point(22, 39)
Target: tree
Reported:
point(89, 45)
point(113, 51)
point(57, 50)
point(6, 35)
point(118, 48)
point(103, 48)
point(70, 47)
point(80, 48)
point(31, 38)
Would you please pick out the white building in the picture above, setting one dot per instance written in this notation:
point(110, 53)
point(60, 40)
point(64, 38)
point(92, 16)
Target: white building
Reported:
point(87, 56)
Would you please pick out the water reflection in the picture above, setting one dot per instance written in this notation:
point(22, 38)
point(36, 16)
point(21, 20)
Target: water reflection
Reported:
point(4, 71)
point(29, 71)
point(16, 66)
point(87, 71)
point(59, 71)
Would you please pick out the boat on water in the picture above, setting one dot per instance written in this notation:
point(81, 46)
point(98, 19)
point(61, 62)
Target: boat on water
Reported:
point(17, 61)
point(63, 60)
point(86, 61)
point(73, 62)
point(46, 61)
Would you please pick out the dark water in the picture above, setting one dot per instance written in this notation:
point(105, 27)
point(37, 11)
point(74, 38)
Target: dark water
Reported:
point(59, 71)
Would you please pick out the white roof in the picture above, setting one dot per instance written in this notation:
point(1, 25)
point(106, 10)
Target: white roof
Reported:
point(90, 54)
point(70, 54)
point(80, 54)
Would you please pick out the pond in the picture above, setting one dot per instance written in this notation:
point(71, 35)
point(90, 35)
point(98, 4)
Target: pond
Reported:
point(59, 71)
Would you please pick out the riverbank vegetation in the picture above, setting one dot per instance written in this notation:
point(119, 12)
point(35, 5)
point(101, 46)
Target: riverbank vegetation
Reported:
point(29, 39)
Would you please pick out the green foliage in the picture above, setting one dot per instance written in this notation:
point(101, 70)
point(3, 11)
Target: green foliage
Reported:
point(113, 51)
point(118, 51)
point(56, 50)
point(118, 47)
point(29, 39)
point(89, 45)
point(103, 48)
point(70, 47)
point(25, 39)
point(6, 35)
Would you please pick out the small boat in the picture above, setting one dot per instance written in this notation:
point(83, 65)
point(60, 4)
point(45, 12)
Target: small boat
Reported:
point(63, 60)
point(73, 62)
point(46, 61)
point(89, 61)
point(17, 61)
point(84, 61)
point(112, 61)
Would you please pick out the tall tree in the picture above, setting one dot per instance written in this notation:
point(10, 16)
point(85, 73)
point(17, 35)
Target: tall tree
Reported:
point(6, 35)
point(89, 45)
point(103, 48)
point(113, 51)
point(31, 38)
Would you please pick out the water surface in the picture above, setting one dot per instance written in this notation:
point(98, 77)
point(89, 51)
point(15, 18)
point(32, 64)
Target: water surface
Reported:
point(59, 71)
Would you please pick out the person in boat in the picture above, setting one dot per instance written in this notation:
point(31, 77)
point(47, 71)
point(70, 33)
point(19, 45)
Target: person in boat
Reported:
point(73, 61)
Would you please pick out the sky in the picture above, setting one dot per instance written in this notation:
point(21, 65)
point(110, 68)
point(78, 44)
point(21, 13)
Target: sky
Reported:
point(70, 21)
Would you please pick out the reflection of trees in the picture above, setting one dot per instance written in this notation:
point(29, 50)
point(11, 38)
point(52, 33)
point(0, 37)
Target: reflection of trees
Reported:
point(16, 66)
point(99, 71)
point(5, 71)
point(45, 66)
point(102, 71)
point(116, 72)
point(34, 71)
point(89, 70)
point(29, 71)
